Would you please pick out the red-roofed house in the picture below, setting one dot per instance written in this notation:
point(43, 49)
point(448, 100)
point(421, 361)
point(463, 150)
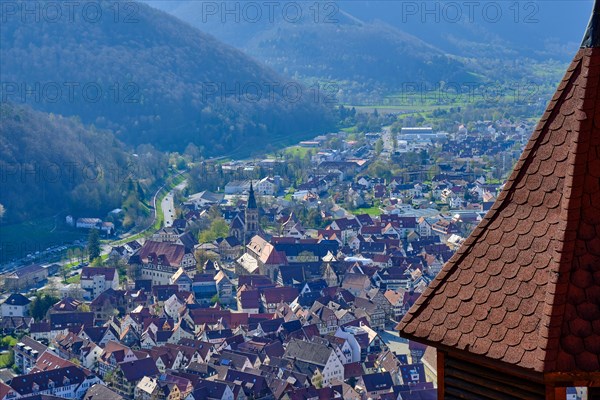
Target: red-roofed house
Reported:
point(272, 297)
point(158, 261)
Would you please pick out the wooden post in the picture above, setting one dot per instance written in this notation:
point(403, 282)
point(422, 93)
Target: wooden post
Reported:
point(440, 374)
point(556, 393)
point(594, 393)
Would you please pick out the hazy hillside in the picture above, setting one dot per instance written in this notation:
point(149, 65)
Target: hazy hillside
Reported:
point(540, 29)
point(381, 45)
point(325, 43)
point(152, 79)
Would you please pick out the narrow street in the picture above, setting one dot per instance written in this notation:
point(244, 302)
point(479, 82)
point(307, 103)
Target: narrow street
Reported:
point(167, 205)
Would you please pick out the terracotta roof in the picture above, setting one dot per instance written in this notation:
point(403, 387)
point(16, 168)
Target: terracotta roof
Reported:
point(34, 344)
point(277, 294)
point(30, 269)
point(67, 304)
point(525, 287)
point(49, 361)
point(170, 253)
point(4, 390)
point(265, 252)
point(249, 298)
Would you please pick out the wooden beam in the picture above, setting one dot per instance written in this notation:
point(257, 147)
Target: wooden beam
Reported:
point(441, 362)
point(572, 379)
point(556, 393)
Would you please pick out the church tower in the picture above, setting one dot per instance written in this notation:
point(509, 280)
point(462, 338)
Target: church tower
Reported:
point(251, 216)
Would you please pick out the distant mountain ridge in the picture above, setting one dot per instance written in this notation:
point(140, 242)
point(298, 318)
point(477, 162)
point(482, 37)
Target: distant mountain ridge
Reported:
point(366, 44)
point(319, 40)
point(534, 29)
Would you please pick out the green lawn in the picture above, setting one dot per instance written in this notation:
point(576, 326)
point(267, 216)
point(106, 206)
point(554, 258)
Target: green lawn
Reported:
point(298, 151)
point(352, 129)
point(74, 279)
point(372, 211)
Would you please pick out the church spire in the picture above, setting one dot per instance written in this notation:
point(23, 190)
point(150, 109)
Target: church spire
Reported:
point(251, 198)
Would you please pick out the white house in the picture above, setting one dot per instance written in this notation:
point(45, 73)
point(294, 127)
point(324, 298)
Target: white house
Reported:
point(16, 305)
point(68, 382)
point(172, 306)
point(95, 280)
point(267, 187)
point(319, 355)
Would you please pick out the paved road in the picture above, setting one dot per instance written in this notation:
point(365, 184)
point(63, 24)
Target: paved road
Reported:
point(168, 206)
point(388, 141)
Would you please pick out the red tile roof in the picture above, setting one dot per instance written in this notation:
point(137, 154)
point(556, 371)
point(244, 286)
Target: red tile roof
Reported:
point(48, 361)
point(170, 253)
point(525, 286)
point(284, 294)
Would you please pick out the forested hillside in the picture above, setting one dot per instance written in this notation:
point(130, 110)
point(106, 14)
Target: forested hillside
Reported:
point(152, 79)
point(53, 164)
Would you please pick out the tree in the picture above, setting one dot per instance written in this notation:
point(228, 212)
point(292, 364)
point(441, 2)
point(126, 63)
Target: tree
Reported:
point(64, 271)
point(7, 359)
point(181, 164)
point(96, 262)
point(218, 228)
point(202, 256)
point(305, 256)
point(378, 146)
point(93, 245)
point(41, 304)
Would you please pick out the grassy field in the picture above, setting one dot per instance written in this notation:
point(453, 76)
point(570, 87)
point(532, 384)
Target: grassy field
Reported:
point(298, 151)
point(352, 129)
point(372, 211)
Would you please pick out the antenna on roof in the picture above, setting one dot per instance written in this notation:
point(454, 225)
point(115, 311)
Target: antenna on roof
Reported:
point(592, 34)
